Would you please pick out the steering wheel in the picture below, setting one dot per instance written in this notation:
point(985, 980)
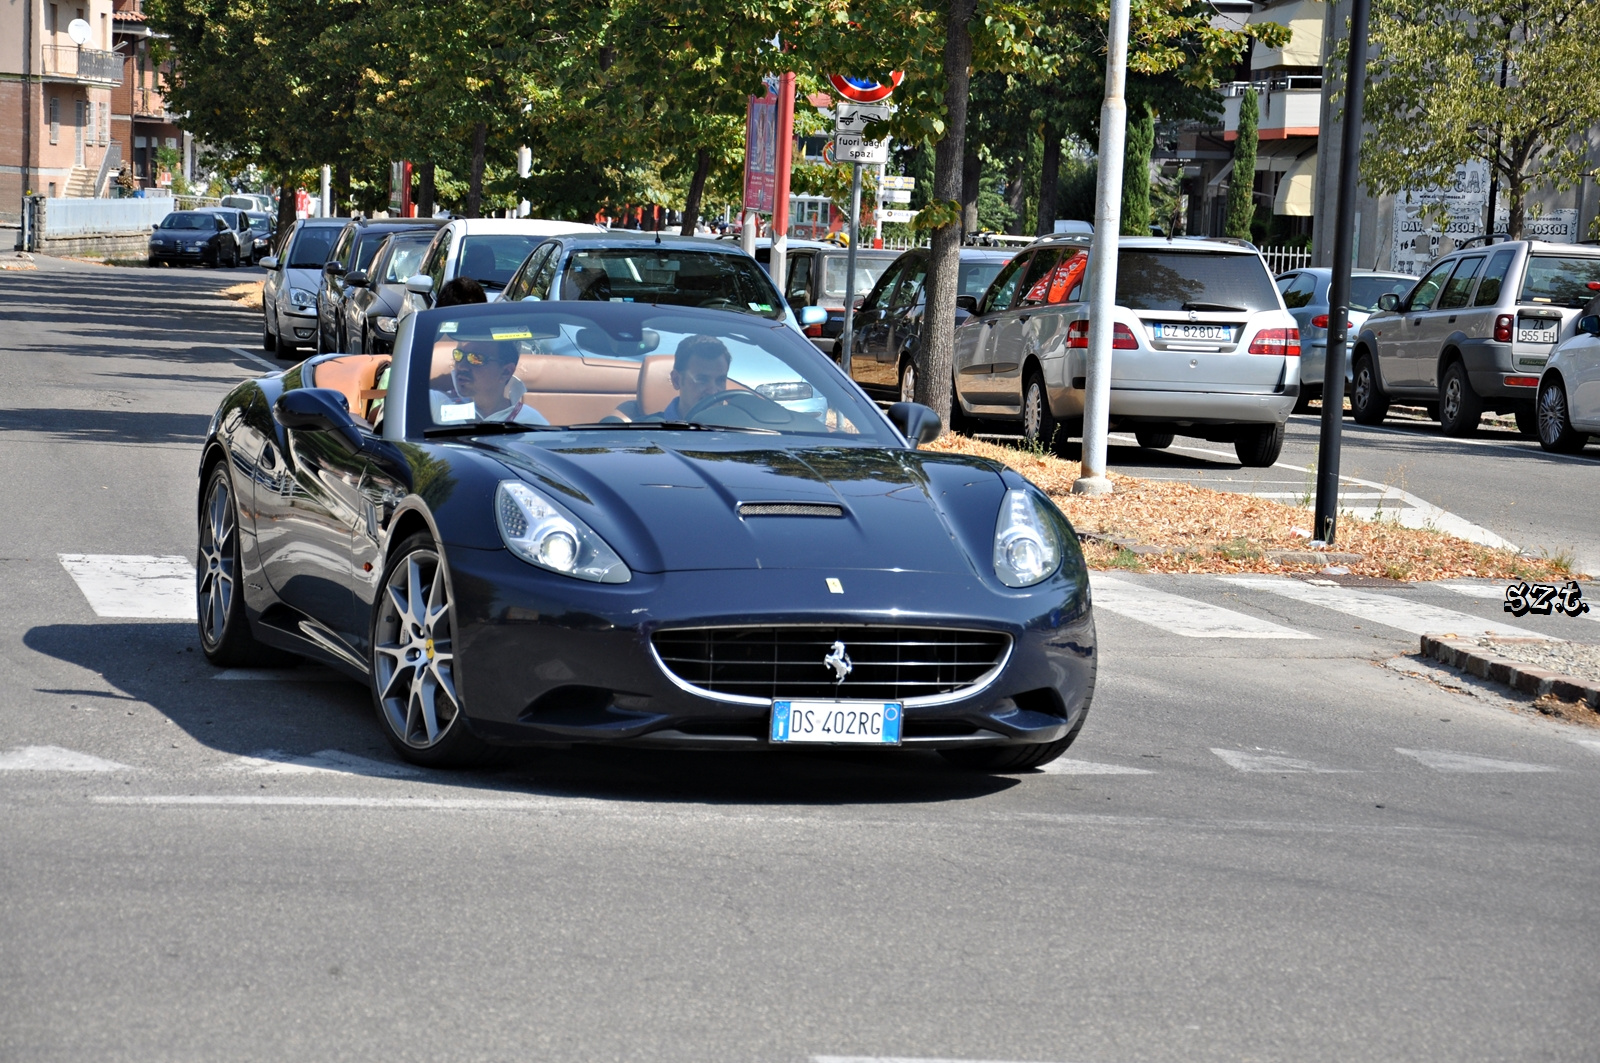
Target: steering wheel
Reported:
point(756, 409)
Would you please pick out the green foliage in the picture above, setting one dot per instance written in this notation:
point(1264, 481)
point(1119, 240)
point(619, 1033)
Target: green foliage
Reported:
point(1435, 99)
point(1140, 144)
point(1241, 184)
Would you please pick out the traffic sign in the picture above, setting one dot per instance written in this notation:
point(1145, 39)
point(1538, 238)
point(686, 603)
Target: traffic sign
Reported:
point(896, 195)
point(852, 148)
point(865, 90)
point(897, 215)
point(853, 117)
point(898, 183)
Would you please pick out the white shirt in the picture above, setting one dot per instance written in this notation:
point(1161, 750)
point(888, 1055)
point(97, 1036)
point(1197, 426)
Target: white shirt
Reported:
point(450, 409)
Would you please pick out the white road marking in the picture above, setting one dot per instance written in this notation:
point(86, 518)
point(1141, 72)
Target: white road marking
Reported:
point(256, 358)
point(1495, 592)
point(1589, 744)
point(1441, 760)
point(134, 585)
point(1064, 766)
point(335, 761)
point(54, 758)
point(896, 1059)
point(1301, 494)
point(1182, 616)
point(1386, 609)
point(306, 674)
point(465, 804)
point(1272, 762)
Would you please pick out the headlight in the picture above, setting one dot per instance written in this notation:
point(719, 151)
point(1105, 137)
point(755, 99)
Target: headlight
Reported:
point(302, 298)
point(538, 531)
point(1027, 548)
point(384, 324)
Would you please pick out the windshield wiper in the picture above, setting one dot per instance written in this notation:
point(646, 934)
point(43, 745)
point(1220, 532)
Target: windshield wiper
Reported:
point(485, 428)
point(1221, 307)
point(676, 426)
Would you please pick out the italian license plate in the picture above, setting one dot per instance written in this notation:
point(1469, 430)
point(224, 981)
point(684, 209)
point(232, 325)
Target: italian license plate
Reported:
point(1535, 332)
point(868, 723)
point(1213, 333)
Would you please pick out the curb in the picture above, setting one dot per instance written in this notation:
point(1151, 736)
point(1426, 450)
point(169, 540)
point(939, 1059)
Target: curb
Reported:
point(1472, 659)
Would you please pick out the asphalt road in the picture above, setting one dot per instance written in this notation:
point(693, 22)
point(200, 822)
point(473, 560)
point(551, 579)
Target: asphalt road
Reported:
point(1286, 847)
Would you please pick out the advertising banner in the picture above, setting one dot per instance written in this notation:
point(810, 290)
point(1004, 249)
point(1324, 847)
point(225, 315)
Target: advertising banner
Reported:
point(1418, 240)
point(761, 153)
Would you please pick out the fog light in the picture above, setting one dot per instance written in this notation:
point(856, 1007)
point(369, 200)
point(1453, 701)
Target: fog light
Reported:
point(303, 333)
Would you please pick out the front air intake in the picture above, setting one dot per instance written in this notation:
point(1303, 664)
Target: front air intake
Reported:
point(790, 509)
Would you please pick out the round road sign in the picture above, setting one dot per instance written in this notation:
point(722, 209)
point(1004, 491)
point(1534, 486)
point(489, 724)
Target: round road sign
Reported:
point(864, 90)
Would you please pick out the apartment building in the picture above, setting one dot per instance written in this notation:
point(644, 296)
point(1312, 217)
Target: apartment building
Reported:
point(141, 123)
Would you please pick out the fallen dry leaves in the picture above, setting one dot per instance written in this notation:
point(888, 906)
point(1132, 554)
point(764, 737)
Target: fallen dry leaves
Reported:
point(1223, 531)
point(248, 294)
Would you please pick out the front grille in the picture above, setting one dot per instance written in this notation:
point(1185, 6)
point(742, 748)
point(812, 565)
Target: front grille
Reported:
point(790, 509)
point(887, 663)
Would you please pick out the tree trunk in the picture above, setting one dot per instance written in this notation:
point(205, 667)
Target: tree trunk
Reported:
point(937, 349)
point(1049, 180)
point(426, 192)
point(286, 193)
point(1017, 196)
point(971, 175)
point(341, 188)
point(1516, 203)
point(691, 202)
point(480, 134)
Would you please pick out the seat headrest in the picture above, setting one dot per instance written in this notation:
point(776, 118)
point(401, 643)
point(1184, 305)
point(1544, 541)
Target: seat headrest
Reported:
point(478, 262)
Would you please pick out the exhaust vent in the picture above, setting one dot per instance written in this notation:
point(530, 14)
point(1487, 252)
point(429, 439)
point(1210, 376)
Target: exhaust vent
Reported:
point(790, 509)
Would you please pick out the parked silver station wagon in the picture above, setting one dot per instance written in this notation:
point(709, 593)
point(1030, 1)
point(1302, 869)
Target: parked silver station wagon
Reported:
point(1474, 334)
point(1202, 344)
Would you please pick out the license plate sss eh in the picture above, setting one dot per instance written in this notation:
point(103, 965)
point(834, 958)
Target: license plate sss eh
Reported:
point(870, 723)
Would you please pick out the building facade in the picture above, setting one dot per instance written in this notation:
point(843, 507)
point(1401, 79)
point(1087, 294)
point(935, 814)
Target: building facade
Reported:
point(141, 124)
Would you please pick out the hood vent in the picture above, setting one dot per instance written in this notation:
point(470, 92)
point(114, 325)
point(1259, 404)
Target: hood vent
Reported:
point(790, 509)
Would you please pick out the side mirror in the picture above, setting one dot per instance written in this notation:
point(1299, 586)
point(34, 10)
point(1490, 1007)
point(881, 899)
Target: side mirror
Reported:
point(1388, 301)
point(269, 262)
point(1589, 324)
point(969, 303)
point(421, 284)
point(916, 422)
point(356, 278)
point(318, 410)
point(813, 315)
point(333, 269)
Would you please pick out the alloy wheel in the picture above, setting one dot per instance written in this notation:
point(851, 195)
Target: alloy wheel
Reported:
point(908, 383)
point(1361, 394)
point(215, 586)
point(414, 656)
point(1032, 413)
point(1450, 405)
point(1552, 415)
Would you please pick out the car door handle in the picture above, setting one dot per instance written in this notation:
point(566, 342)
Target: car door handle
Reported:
point(1023, 317)
point(1452, 319)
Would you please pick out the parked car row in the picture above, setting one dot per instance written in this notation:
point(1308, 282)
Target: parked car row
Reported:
point(218, 236)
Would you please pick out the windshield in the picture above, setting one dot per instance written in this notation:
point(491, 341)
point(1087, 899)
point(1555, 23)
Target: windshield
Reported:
point(1190, 280)
point(207, 222)
point(259, 223)
point(367, 245)
point(835, 271)
point(492, 259)
point(1561, 280)
point(406, 259)
point(673, 277)
point(629, 368)
point(1365, 291)
point(311, 247)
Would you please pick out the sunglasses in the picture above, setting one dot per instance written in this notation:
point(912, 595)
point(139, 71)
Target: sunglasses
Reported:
point(471, 357)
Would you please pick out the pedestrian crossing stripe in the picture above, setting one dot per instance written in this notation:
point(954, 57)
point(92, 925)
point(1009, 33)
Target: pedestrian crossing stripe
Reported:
point(1443, 760)
point(1178, 615)
point(54, 758)
point(1419, 618)
point(1064, 766)
point(1240, 760)
point(135, 586)
point(327, 761)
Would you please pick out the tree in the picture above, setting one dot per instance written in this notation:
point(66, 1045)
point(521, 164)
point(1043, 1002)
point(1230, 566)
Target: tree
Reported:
point(1242, 182)
point(1140, 144)
point(1436, 97)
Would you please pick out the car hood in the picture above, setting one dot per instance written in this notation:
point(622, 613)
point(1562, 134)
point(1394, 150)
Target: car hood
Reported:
point(674, 505)
point(309, 279)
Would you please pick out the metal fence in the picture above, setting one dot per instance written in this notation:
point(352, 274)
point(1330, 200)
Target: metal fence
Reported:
point(1285, 258)
point(101, 217)
point(88, 64)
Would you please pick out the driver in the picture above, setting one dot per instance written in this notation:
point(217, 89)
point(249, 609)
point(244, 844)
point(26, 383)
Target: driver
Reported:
point(699, 371)
point(483, 380)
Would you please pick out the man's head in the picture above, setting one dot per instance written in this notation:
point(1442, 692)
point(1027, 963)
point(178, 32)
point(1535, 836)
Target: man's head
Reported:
point(461, 291)
point(481, 369)
point(700, 370)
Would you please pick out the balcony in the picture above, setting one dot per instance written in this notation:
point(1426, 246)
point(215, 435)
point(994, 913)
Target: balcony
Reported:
point(86, 66)
point(149, 103)
point(1290, 107)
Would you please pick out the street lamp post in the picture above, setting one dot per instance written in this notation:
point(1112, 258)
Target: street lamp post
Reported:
point(1355, 86)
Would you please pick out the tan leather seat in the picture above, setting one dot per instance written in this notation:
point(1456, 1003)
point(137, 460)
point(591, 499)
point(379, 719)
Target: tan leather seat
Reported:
point(356, 375)
point(563, 388)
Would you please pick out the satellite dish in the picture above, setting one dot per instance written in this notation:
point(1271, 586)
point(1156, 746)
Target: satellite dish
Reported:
point(78, 30)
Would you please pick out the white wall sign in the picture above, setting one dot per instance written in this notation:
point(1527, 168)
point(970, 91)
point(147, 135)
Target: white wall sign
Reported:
point(1418, 242)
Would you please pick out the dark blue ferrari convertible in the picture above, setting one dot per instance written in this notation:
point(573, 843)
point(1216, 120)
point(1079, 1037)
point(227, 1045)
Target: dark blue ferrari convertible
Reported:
point(549, 523)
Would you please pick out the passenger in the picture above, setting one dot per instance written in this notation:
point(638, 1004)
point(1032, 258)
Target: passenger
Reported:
point(484, 386)
point(699, 371)
point(461, 291)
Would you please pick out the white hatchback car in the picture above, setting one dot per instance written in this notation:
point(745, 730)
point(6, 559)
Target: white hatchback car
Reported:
point(488, 250)
point(1568, 405)
point(1202, 344)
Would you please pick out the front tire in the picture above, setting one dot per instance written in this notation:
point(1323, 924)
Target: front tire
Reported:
point(225, 635)
point(1459, 406)
point(1258, 446)
point(908, 380)
point(1154, 440)
point(1368, 403)
point(1556, 433)
point(413, 661)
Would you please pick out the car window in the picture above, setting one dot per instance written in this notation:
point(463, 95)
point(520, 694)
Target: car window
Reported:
point(571, 363)
point(186, 221)
point(1366, 291)
point(1035, 285)
point(311, 246)
point(878, 296)
point(545, 279)
point(222, 224)
point(974, 275)
point(1561, 280)
point(1066, 280)
point(1459, 288)
point(341, 247)
point(405, 260)
point(835, 270)
point(1427, 290)
point(799, 279)
point(491, 258)
point(521, 285)
point(670, 276)
point(367, 245)
point(1003, 288)
point(1494, 278)
point(908, 288)
point(1299, 292)
point(437, 257)
point(1194, 280)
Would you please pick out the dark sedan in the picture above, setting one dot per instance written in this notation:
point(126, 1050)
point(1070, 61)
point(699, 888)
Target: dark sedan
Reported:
point(218, 237)
point(354, 250)
point(370, 309)
point(575, 522)
point(263, 230)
